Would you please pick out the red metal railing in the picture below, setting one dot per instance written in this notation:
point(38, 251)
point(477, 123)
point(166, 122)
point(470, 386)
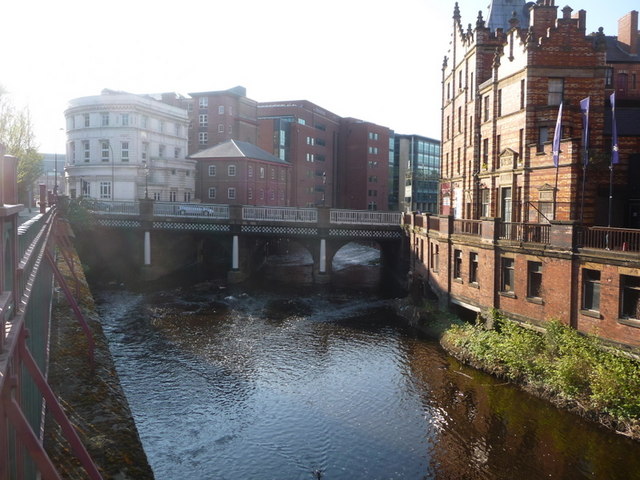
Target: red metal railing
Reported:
point(467, 227)
point(525, 232)
point(607, 238)
point(24, 343)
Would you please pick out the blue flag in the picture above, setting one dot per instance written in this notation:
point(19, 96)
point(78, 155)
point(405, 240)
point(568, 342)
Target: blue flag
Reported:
point(556, 137)
point(584, 107)
point(615, 153)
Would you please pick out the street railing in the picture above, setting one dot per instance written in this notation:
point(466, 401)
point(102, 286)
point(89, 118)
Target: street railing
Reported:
point(365, 217)
point(282, 214)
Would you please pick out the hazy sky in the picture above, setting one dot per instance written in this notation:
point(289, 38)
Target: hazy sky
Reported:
point(377, 60)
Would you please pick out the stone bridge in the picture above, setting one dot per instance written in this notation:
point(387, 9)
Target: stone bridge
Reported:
point(163, 237)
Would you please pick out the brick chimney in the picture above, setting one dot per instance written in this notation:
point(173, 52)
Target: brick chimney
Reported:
point(628, 32)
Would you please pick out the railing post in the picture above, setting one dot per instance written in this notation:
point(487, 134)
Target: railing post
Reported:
point(489, 229)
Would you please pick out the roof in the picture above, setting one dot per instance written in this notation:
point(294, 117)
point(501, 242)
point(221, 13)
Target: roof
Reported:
point(616, 53)
point(237, 149)
point(501, 11)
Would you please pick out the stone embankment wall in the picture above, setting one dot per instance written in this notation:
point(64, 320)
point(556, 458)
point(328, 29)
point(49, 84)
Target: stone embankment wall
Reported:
point(90, 393)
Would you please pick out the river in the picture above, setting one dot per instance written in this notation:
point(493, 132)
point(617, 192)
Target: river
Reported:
point(265, 383)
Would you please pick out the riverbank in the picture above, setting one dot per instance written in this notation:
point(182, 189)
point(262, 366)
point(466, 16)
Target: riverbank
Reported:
point(90, 393)
point(571, 371)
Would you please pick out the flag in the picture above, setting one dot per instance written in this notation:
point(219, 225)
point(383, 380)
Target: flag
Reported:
point(615, 153)
point(584, 107)
point(556, 137)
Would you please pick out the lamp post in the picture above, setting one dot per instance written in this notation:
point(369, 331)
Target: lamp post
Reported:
point(145, 167)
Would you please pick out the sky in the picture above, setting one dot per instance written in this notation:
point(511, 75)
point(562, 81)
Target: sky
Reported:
point(376, 60)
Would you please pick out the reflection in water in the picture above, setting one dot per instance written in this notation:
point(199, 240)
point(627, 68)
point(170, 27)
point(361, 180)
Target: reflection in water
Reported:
point(245, 385)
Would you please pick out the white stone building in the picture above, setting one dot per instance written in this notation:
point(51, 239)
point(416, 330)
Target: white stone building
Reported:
point(121, 146)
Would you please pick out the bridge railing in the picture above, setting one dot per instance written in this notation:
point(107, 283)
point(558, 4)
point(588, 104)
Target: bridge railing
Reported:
point(365, 217)
point(209, 210)
point(282, 214)
point(108, 206)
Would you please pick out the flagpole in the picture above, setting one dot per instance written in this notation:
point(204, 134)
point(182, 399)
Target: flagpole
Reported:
point(557, 135)
point(584, 107)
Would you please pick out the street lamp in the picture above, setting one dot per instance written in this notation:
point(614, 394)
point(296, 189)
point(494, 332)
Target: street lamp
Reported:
point(145, 166)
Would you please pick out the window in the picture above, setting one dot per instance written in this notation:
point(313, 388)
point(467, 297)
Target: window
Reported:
point(105, 119)
point(125, 119)
point(373, 150)
point(457, 264)
point(486, 108)
point(485, 203)
point(161, 149)
point(250, 171)
point(556, 91)
point(72, 149)
point(145, 121)
point(435, 256)
point(534, 279)
point(591, 290)
point(212, 193)
point(177, 129)
point(220, 128)
point(105, 190)
point(203, 119)
point(203, 102)
point(145, 150)
point(608, 77)
point(187, 196)
point(630, 301)
point(250, 193)
point(87, 121)
point(473, 267)
point(522, 94)
point(499, 106)
point(212, 170)
point(273, 174)
point(231, 170)
point(231, 193)
point(173, 196)
point(543, 137)
point(124, 151)
point(104, 145)
point(373, 136)
point(310, 157)
point(176, 152)
point(86, 147)
point(261, 172)
point(507, 275)
point(221, 110)
point(203, 138)
point(85, 188)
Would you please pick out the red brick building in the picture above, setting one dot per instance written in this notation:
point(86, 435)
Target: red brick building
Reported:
point(517, 231)
point(239, 173)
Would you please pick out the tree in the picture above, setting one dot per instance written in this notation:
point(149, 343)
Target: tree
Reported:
point(17, 135)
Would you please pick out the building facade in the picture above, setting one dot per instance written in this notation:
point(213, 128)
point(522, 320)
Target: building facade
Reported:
point(527, 210)
point(418, 165)
point(122, 146)
point(240, 173)
point(218, 116)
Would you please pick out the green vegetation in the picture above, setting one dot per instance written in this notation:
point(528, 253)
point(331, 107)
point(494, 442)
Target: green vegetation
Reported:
point(560, 363)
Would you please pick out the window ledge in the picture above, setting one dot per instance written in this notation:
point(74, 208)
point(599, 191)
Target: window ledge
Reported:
point(591, 313)
point(536, 300)
point(458, 280)
point(474, 285)
point(631, 322)
point(507, 294)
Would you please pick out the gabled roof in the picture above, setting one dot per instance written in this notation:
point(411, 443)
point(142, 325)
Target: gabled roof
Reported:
point(237, 149)
point(616, 53)
point(501, 11)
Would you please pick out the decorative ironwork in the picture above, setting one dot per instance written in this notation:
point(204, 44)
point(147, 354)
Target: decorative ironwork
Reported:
point(185, 226)
point(339, 232)
point(280, 230)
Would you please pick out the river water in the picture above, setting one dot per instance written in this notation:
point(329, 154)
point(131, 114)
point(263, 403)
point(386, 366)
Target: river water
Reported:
point(265, 383)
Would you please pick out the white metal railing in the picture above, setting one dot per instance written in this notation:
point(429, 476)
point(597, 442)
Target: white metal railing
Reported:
point(220, 212)
point(108, 206)
point(365, 217)
point(284, 214)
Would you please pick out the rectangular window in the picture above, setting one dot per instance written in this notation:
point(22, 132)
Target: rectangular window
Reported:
point(499, 106)
point(203, 119)
point(507, 275)
point(145, 150)
point(373, 150)
point(105, 190)
point(473, 267)
point(104, 149)
point(105, 119)
point(124, 151)
point(220, 109)
point(261, 172)
point(231, 193)
point(457, 264)
point(543, 137)
point(212, 193)
point(176, 152)
point(250, 193)
point(522, 94)
point(203, 102)
point(87, 120)
point(435, 256)
point(212, 170)
point(630, 301)
point(231, 170)
point(486, 108)
point(203, 138)
point(485, 203)
point(145, 121)
point(556, 91)
point(534, 280)
point(86, 147)
point(591, 290)
point(125, 119)
point(220, 128)
point(173, 195)
point(161, 151)
point(608, 77)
